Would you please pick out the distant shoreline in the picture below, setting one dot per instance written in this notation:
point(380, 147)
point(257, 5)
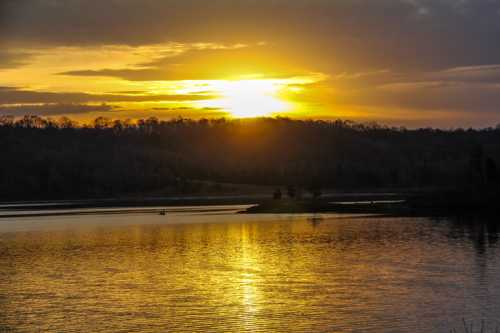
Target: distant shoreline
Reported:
point(156, 205)
point(185, 200)
point(435, 204)
point(426, 205)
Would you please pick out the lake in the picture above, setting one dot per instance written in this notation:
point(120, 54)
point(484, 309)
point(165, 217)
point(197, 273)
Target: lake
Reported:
point(207, 269)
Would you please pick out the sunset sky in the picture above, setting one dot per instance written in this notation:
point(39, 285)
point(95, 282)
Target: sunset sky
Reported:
point(398, 62)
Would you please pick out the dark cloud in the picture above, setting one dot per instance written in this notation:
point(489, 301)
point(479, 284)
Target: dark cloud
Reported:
point(472, 89)
point(17, 96)
point(343, 34)
point(486, 75)
point(422, 98)
point(11, 59)
point(54, 109)
point(146, 74)
point(457, 92)
point(478, 74)
point(444, 96)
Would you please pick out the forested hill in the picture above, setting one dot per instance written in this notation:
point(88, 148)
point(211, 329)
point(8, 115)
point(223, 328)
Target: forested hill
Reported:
point(46, 159)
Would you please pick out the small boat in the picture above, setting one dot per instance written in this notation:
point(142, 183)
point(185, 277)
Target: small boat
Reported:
point(163, 212)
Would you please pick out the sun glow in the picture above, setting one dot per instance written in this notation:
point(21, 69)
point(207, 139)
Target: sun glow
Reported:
point(248, 98)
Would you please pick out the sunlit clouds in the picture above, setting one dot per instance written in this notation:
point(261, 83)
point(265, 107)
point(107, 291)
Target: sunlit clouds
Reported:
point(412, 63)
point(133, 80)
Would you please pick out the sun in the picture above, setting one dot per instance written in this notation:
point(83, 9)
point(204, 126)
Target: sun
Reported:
point(249, 98)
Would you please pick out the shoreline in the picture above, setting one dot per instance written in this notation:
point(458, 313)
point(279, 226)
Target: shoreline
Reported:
point(380, 204)
point(208, 200)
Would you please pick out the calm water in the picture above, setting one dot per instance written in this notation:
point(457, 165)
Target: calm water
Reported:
point(214, 271)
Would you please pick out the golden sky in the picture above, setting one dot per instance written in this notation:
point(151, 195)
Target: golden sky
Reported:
point(398, 62)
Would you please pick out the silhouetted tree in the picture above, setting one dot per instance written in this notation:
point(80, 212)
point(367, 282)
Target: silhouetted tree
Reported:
point(102, 123)
point(43, 158)
point(65, 122)
point(6, 120)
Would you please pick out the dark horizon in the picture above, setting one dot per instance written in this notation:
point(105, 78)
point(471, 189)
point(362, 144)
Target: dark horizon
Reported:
point(108, 121)
point(58, 159)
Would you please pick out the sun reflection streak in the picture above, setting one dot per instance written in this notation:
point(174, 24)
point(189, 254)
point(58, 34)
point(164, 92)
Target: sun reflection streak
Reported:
point(249, 268)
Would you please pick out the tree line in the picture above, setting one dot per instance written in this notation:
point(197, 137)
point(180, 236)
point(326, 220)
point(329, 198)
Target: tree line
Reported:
point(43, 158)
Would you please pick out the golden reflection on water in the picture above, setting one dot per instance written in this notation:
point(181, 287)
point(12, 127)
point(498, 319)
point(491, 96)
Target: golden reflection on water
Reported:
point(244, 273)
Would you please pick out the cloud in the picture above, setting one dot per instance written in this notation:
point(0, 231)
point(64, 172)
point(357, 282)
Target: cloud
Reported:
point(146, 74)
point(439, 95)
point(341, 34)
point(18, 96)
point(472, 89)
point(478, 74)
point(54, 109)
point(13, 59)
point(205, 62)
point(421, 55)
point(455, 95)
